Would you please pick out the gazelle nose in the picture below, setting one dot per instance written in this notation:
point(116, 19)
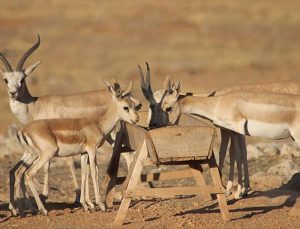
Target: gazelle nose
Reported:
point(13, 93)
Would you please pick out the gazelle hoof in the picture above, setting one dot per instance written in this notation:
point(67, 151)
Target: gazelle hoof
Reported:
point(43, 212)
point(238, 195)
point(101, 206)
point(85, 207)
point(15, 212)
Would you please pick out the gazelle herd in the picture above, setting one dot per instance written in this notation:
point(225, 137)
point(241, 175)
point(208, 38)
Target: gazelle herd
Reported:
point(68, 125)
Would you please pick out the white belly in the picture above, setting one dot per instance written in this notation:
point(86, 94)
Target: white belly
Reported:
point(268, 130)
point(66, 150)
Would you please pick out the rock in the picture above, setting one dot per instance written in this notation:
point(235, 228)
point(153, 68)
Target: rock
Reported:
point(285, 168)
point(253, 152)
point(269, 149)
point(261, 180)
point(290, 150)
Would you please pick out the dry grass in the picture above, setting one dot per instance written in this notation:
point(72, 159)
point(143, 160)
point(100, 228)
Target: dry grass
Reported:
point(206, 44)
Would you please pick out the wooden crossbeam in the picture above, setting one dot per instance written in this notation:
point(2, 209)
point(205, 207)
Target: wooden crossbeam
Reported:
point(171, 192)
point(172, 175)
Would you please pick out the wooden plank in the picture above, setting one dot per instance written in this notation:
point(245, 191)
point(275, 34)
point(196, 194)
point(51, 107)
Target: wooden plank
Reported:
point(192, 120)
point(182, 142)
point(197, 170)
point(143, 118)
point(171, 175)
point(171, 192)
point(112, 171)
point(133, 178)
point(215, 173)
point(134, 136)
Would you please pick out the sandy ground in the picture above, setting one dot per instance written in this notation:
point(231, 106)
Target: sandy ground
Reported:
point(206, 44)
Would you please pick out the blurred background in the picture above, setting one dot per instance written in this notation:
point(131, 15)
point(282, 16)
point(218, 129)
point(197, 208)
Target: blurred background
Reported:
point(206, 44)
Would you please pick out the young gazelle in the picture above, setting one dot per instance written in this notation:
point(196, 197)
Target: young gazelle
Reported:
point(27, 108)
point(267, 115)
point(50, 138)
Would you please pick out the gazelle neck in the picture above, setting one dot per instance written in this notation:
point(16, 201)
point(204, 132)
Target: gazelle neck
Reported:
point(19, 106)
point(109, 120)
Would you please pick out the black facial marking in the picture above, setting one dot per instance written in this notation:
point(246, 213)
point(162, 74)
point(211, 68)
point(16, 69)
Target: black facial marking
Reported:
point(189, 94)
point(5, 80)
point(292, 137)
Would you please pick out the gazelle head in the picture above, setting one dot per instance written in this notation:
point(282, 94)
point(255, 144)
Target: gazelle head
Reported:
point(156, 116)
point(170, 103)
point(125, 106)
point(15, 79)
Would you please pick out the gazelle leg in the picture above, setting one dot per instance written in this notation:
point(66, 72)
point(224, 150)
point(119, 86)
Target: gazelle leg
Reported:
point(21, 181)
point(46, 180)
point(84, 158)
point(70, 163)
point(87, 188)
point(223, 148)
point(12, 181)
point(31, 172)
point(237, 153)
point(243, 148)
point(231, 168)
point(92, 159)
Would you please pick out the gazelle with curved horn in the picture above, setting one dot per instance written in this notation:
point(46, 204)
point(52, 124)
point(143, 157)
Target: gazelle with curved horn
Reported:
point(238, 141)
point(50, 138)
point(158, 118)
point(27, 108)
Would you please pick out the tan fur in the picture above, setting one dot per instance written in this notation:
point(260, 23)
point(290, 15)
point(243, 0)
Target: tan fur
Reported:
point(67, 137)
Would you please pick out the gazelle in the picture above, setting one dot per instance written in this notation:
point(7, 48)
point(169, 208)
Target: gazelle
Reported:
point(50, 138)
point(158, 118)
point(27, 108)
point(267, 115)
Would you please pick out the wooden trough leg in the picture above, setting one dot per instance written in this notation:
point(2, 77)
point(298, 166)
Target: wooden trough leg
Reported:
point(112, 171)
point(215, 173)
point(197, 170)
point(132, 180)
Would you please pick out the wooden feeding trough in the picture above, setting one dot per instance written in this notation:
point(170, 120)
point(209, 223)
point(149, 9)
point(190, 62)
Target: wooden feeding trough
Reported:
point(189, 143)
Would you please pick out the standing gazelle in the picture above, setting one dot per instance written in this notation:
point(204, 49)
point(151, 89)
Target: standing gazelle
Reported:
point(27, 108)
point(158, 118)
point(267, 115)
point(50, 138)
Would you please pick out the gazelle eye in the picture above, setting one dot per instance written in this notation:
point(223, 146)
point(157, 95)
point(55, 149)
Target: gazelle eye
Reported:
point(151, 106)
point(6, 81)
point(126, 109)
point(169, 109)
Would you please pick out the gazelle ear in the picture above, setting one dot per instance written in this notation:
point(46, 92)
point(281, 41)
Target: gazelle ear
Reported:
point(128, 90)
point(178, 86)
point(167, 83)
point(175, 88)
point(110, 88)
point(31, 68)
